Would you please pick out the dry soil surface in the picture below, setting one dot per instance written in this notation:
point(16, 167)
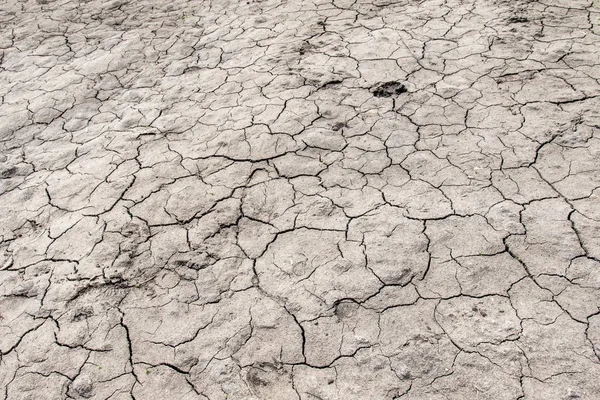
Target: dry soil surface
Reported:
point(300, 200)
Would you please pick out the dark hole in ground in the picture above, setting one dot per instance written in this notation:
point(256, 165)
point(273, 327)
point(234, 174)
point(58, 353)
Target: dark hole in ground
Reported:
point(517, 20)
point(339, 125)
point(8, 173)
point(389, 89)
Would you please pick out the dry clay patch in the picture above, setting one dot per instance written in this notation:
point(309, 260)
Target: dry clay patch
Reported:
point(335, 199)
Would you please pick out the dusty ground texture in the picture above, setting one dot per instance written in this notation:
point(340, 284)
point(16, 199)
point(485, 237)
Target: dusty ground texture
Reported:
point(302, 199)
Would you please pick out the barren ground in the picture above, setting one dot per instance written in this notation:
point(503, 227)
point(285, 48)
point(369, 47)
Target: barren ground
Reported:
point(300, 200)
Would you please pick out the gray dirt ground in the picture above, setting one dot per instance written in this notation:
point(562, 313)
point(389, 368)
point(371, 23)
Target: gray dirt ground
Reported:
point(219, 199)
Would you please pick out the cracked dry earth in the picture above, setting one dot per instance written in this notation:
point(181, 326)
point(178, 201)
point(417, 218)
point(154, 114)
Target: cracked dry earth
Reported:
point(302, 199)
